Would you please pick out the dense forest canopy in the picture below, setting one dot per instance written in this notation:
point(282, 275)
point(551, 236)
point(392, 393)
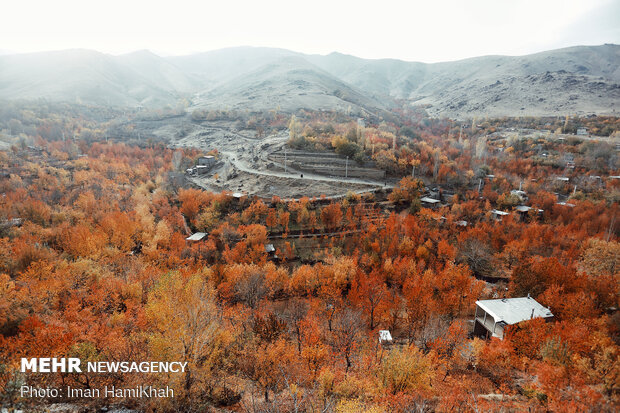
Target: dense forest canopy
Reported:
point(94, 263)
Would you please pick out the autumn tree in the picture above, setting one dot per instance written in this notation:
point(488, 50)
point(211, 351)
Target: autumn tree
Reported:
point(186, 325)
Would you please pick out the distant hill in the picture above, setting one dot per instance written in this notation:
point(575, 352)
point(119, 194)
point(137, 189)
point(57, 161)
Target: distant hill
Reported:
point(288, 84)
point(86, 76)
point(576, 79)
point(582, 79)
point(225, 64)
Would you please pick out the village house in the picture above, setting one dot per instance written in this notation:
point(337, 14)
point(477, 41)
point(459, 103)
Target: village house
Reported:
point(237, 196)
point(524, 210)
point(492, 316)
point(566, 204)
point(498, 215)
point(206, 161)
point(271, 252)
point(429, 202)
point(385, 336)
point(198, 236)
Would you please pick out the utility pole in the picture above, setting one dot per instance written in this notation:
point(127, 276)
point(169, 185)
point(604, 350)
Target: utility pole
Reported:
point(346, 168)
point(479, 185)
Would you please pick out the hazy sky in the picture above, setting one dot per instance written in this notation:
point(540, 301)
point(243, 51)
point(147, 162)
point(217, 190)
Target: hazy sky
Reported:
point(429, 31)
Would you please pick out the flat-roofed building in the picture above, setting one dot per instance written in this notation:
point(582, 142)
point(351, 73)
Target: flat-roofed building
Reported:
point(428, 202)
point(492, 316)
point(498, 215)
point(198, 236)
point(523, 210)
point(206, 161)
point(385, 336)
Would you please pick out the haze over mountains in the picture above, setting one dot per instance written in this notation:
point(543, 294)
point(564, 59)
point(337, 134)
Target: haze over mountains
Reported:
point(582, 79)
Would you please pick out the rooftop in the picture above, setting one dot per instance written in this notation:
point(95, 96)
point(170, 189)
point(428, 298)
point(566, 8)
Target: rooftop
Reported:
point(514, 310)
point(429, 200)
point(500, 213)
point(197, 236)
point(525, 208)
point(384, 335)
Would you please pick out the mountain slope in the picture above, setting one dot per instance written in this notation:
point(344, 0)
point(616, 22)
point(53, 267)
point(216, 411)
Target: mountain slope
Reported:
point(288, 83)
point(87, 77)
point(218, 66)
point(160, 72)
point(584, 79)
point(576, 79)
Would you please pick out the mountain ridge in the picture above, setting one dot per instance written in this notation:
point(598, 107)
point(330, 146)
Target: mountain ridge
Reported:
point(577, 79)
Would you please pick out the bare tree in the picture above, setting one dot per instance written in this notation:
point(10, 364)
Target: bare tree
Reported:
point(346, 333)
point(251, 289)
point(478, 256)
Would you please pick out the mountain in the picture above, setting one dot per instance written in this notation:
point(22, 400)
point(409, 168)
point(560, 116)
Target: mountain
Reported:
point(288, 83)
point(576, 79)
point(86, 76)
point(159, 71)
point(581, 79)
point(225, 64)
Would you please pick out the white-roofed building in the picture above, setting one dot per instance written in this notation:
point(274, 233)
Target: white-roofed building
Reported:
point(429, 202)
point(523, 210)
point(201, 169)
point(198, 236)
point(492, 316)
point(497, 214)
point(385, 336)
